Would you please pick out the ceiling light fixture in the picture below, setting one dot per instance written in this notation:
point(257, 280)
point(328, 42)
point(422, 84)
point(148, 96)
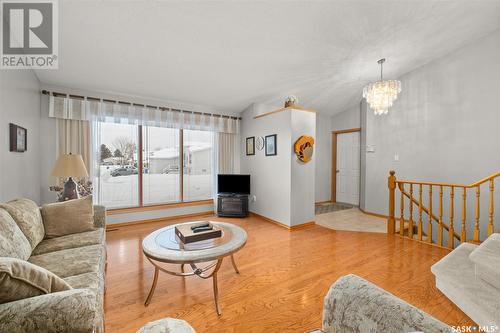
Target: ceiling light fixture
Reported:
point(381, 94)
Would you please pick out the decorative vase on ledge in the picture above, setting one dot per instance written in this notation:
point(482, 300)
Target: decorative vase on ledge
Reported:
point(291, 101)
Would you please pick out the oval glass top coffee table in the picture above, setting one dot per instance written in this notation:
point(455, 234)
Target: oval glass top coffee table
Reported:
point(163, 246)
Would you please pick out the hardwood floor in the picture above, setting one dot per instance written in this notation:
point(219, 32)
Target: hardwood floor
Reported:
point(284, 278)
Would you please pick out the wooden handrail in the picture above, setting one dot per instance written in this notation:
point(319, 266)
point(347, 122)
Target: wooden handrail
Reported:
point(426, 211)
point(462, 235)
point(484, 180)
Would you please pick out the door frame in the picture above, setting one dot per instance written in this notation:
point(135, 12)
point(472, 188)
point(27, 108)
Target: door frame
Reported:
point(334, 159)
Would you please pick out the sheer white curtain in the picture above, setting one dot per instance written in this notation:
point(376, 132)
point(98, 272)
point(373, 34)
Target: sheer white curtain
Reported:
point(225, 158)
point(227, 144)
point(73, 136)
point(95, 169)
point(117, 112)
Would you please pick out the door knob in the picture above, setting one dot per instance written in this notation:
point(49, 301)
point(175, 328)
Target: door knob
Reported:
point(337, 171)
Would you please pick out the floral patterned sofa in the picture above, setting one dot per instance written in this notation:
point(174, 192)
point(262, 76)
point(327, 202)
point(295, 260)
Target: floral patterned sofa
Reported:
point(77, 258)
point(352, 305)
point(355, 305)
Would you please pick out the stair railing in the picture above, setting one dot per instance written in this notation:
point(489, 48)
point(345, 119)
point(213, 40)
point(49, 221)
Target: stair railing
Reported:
point(415, 199)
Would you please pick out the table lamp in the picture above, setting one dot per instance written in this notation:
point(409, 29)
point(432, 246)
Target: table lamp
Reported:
point(69, 165)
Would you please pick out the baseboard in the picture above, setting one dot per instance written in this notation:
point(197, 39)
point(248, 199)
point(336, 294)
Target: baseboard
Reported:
point(290, 228)
point(380, 215)
point(302, 226)
point(109, 227)
point(323, 202)
point(374, 214)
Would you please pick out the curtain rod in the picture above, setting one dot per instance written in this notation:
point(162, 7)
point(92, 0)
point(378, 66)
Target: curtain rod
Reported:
point(58, 94)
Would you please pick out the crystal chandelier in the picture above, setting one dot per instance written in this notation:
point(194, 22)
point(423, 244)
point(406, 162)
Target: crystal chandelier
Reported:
point(381, 94)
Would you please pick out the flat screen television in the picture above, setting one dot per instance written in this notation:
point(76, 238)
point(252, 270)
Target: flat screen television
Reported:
point(237, 184)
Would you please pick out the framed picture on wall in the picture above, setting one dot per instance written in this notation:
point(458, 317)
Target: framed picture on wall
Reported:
point(271, 148)
point(18, 138)
point(250, 145)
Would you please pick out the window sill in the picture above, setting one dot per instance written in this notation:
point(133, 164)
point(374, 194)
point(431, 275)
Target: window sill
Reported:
point(158, 207)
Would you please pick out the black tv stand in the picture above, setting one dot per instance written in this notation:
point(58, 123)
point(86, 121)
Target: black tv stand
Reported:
point(232, 205)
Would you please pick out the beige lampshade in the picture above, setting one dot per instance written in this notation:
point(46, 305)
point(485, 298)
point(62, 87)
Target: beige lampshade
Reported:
point(69, 165)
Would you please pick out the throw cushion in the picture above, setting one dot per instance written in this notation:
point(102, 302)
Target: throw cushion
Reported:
point(69, 217)
point(20, 279)
point(13, 243)
point(27, 216)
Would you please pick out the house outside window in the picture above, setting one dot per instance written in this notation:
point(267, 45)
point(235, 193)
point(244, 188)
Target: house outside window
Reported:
point(126, 150)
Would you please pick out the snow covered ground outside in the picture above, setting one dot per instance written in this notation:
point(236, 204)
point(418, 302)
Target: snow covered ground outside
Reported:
point(122, 191)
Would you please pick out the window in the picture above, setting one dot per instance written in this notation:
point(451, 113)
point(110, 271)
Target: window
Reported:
point(126, 150)
point(197, 165)
point(160, 162)
point(117, 180)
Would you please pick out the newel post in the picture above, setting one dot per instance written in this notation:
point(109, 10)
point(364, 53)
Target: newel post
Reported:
point(391, 184)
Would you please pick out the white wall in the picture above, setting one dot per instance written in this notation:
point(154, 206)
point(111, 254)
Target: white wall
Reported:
point(302, 174)
point(445, 126)
point(270, 176)
point(48, 140)
point(323, 157)
point(347, 119)
point(325, 125)
point(284, 188)
point(20, 104)
point(362, 136)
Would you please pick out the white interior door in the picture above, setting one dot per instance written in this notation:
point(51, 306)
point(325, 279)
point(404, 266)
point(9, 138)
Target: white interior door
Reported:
point(348, 155)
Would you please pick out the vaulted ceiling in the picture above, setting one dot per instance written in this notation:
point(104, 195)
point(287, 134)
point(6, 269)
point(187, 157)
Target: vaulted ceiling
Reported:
point(228, 54)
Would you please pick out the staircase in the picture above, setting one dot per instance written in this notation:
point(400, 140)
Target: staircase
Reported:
point(470, 277)
point(470, 274)
point(430, 217)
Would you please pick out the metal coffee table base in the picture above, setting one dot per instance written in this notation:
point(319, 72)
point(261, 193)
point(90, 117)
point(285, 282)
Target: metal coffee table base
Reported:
point(201, 272)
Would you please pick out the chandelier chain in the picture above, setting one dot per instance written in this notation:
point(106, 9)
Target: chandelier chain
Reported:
point(381, 63)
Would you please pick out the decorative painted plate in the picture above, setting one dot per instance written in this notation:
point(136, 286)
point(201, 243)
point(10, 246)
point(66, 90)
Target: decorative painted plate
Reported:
point(259, 143)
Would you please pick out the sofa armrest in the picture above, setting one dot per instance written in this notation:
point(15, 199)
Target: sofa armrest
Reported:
point(66, 311)
point(99, 216)
point(356, 305)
